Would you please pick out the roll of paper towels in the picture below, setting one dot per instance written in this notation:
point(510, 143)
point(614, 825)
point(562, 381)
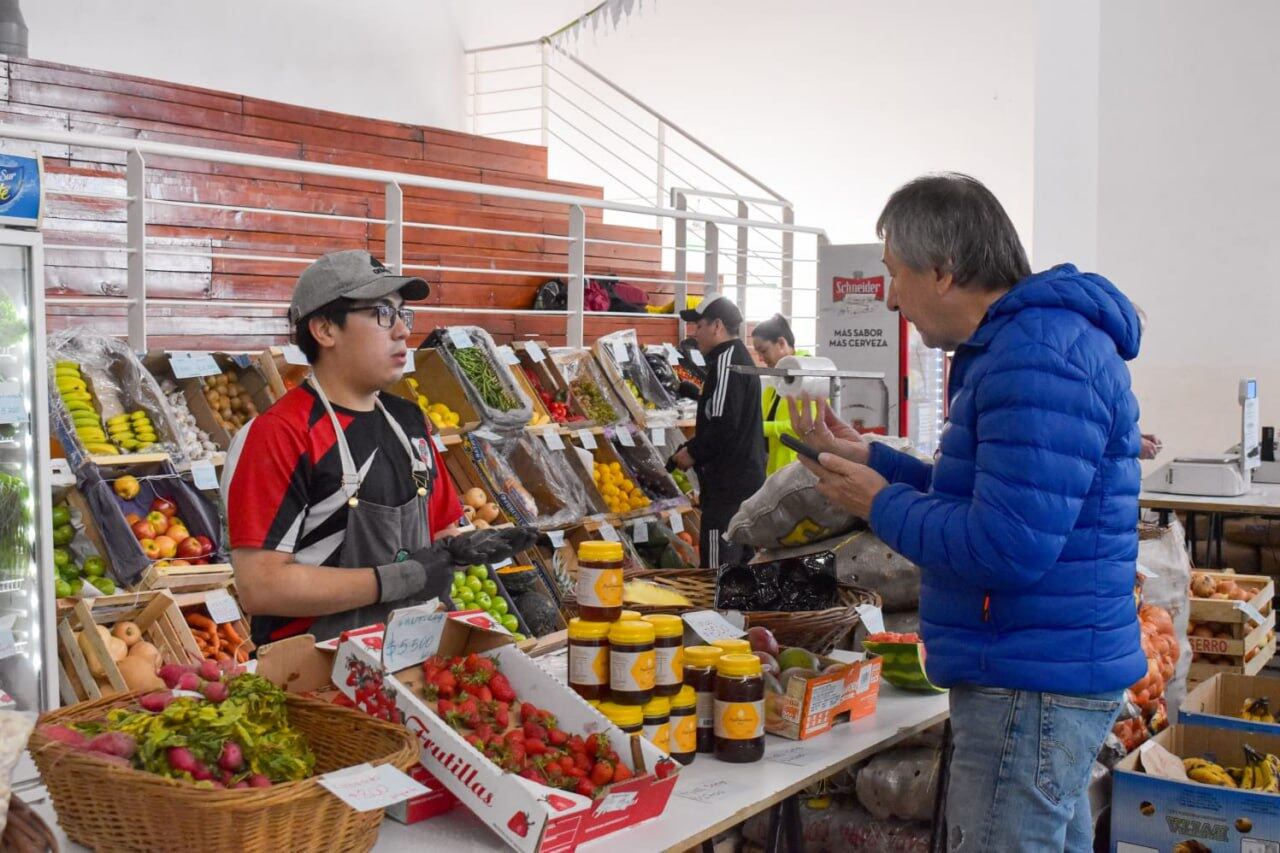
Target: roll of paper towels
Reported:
point(812, 386)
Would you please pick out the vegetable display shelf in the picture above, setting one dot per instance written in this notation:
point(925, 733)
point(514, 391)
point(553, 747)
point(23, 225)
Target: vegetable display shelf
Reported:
point(438, 393)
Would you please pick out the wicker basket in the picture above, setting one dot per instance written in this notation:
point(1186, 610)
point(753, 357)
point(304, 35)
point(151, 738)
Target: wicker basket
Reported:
point(25, 832)
point(106, 807)
point(819, 631)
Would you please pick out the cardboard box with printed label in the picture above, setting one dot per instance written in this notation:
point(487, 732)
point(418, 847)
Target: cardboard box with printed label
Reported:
point(807, 707)
point(1219, 702)
point(383, 671)
point(1151, 809)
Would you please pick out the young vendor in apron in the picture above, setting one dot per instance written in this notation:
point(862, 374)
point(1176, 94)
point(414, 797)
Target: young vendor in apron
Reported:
point(339, 509)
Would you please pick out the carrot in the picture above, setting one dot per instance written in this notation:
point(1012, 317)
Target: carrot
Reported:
point(241, 655)
point(223, 656)
point(230, 634)
point(198, 620)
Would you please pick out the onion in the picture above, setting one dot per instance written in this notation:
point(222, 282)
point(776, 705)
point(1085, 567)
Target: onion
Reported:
point(475, 497)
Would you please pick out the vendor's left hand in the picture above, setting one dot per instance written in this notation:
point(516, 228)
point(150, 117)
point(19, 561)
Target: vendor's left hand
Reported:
point(682, 459)
point(848, 485)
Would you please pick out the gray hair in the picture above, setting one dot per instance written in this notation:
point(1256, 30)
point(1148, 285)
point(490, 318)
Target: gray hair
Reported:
point(952, 223)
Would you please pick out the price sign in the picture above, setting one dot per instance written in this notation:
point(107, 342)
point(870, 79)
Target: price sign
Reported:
point(677, 521)
point(437, 441)
point(552, 437)
point(487, 435)
point(872, 618)
point(640, 531)
point(508, 355)
point(608, 532)
point(535, 351)
point(222, 607)
point(625, 438)
point(241, 360)
point(193, 364)
point(696, 355)
point(503, 564)
point(8, 643)
point(673, 354)
point(710, 626)
point(659, 436)
point(365, 787)
point(620, 352)
point(294, 355)
point(204, 476)
point(460, 338)
point(556, 537)
point(587, 440)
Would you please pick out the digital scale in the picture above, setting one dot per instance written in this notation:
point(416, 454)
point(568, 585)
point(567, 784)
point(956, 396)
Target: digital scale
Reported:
point(1230, 474)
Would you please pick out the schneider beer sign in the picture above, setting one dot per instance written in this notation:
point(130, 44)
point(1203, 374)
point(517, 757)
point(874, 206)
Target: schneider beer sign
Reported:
point(21, 190)
point(857, 331)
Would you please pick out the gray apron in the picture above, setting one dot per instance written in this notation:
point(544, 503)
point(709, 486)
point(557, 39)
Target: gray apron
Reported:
point(375, 534)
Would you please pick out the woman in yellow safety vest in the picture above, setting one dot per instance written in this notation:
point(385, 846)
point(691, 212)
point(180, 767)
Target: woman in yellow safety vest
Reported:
point(773, 341)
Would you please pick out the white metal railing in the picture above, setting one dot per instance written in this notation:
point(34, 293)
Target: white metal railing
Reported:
point(596, 131)
point(141, 251)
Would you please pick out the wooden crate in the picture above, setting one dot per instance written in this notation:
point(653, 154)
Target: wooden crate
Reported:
point(156, 614)
point(460, 466)
point(195, 602)
point(281, 376)
point(664, 413)
point(541, 417)
point(1228, 636)
point(605, 454)
point(186, 578)
point(548, 377)
point(438, 383)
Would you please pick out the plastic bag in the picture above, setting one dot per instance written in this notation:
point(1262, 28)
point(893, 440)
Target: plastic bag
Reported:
point(864, 559)
point(634, 381)
point(588, 387)
point(788, 511)
point(118, 385)
point(15, 728)
point(473, 358)
point(1161, 550)
point(532, 483)
point(846, 826)
point(662, 549)
point(645, 465)
point(900, 783)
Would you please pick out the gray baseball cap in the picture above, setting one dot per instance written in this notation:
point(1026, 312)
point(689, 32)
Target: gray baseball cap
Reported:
point(355, 274)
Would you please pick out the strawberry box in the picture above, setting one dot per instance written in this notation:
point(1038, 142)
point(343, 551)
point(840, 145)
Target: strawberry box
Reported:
point(383, 672)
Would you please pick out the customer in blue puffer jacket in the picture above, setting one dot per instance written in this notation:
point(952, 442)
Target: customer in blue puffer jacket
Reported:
point(1025, 528)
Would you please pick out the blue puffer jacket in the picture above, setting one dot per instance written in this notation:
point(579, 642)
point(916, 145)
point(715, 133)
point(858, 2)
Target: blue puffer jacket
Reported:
point(1025, 528)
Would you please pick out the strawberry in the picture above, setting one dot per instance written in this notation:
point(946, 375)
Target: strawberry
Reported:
point(576, 744)
point(557, 737)
point(484, 731)
point(566, 763)
point(514, 735)
point(577, 772)
point(533, 775)
point(533, 730)
point(519, 824)
point(535, 746)
point(582, 761)
point(586, 788)
point(664, 768)
point(444, 707)
point(501, 717)
point(621, 772)
point(501, 688)
point(468, 707)
point(602, 773)
point(598, 745)
point(475, 742)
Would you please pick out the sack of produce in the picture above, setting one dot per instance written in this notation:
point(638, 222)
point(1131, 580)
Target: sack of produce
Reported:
point(787, 511)
point(900, 783)
point(838, 825)
point(533, 483)
point(1161, 551)
point(633, 379)
point(103, 402)
point(587, 386)
point(473, 357)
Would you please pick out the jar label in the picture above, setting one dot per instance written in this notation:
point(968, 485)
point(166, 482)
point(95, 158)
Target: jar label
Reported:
point(599, 587)
point(684, 735)
point(631, 671)
point(659, 734)
point(588, 665)
point(740, 720)
point(706, 709)
point(670, 665)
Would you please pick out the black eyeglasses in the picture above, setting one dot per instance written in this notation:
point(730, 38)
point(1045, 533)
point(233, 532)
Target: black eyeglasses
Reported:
point(386, 315)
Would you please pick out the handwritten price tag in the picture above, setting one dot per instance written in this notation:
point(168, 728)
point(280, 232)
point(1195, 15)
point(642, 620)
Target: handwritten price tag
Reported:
point(508, 355)
point(625, 438)
point(366, 788)
point(460, 338)
point(620, 352)
point(556, 537)
point(587, 440)
point(437, 441)
point(13, 409)
point(673, 354)
point(640, 531)
point(710, 626)
point(609, 533)
point(294, 355)
point(553, 440)
point(204, 476)
point(658, 436)
point(872, 618)
point(677, 521)
point(222, 607)
point(696, 355)
point(535, 351)
point(193, 364)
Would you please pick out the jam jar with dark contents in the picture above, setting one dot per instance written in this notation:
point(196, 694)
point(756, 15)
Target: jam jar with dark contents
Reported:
point(629, 718)
point(631, 662)
point(684, 725)
point(739, 709)
point(599, 587)
point(668, 647)
point(589, 658)
point(657, 723)
point(700, 674)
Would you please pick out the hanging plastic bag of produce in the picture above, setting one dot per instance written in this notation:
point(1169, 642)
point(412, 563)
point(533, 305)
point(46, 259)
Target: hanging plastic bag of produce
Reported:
point(1161, 551)
point(473, 357)
point(787, 511)
point(588, 387)
point(634, 381)
point(533, 483)
point(103, 402)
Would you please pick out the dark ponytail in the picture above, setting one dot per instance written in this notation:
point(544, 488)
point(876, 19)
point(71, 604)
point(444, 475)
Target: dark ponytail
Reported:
point(774, 329)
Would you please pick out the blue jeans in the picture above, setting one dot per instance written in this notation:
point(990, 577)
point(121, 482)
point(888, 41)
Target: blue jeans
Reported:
point(1020, 768)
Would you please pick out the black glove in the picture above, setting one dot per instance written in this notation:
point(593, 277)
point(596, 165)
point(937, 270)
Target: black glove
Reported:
point(489, 546)
point(426, 573)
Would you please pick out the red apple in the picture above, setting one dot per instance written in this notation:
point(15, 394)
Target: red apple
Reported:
point(203, 561)
point(175, 520)
point(165, 506)
point(179, 563)
point(159, 521)
point(206, 545)
point(177, 532)
point(168, 548)
point(150, 548)
point(190, 548)
point(132, 518)
point(143, 530)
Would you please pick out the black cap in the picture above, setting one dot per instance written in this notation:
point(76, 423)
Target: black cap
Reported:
point(714, 307)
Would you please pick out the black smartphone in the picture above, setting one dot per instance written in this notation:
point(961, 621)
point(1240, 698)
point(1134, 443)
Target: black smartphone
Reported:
point(798, 446)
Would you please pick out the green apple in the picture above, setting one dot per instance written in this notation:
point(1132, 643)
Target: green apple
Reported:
point(466, 596)
point(62, 589)
point(490, 587)
point(474, 583)
point(61, 516)
point(510, 622)
point(500, 606)
point(480, 572)
point(105, 585)
point(459, 578)
point(63, 534)
point(95, 566)
point(483, 601)
point(61, 557)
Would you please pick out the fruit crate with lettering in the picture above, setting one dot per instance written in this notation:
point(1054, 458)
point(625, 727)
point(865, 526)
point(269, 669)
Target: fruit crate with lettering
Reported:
point(1231, 627)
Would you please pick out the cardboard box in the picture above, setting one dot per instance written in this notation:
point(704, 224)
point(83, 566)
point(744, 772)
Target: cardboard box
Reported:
point(811, 706)
point(527, 816)
point(1151, 812)
point(437, 802)
point(1218, 702)
point(439, 385)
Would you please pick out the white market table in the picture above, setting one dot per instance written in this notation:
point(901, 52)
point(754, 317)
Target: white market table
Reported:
point(1262, 499)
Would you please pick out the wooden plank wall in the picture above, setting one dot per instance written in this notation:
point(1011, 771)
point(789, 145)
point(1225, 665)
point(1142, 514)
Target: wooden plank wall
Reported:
point(49, 95)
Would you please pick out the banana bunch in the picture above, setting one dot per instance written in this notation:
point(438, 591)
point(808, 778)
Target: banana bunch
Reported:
point(79, 401)
point(1257, 709)
point(132, 430)
point(1259, 772)
point(1208, 773)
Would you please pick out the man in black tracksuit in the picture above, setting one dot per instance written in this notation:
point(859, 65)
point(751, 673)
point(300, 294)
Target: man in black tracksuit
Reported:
point(727, 451)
